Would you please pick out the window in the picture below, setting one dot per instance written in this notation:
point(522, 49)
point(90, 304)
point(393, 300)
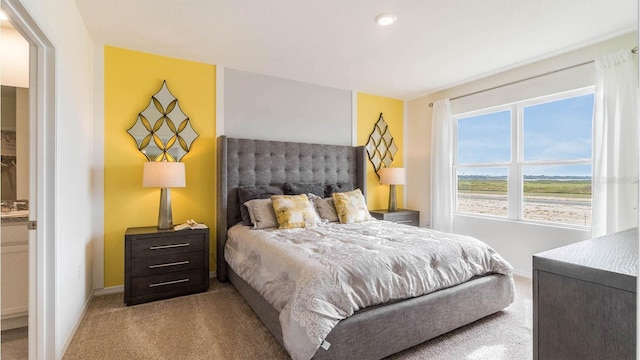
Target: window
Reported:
point(530, 160)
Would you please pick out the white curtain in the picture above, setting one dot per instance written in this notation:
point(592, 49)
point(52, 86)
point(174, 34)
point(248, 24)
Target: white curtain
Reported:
point(615, 142)
point(442, 167)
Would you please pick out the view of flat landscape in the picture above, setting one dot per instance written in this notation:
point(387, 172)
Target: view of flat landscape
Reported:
point(560, 199)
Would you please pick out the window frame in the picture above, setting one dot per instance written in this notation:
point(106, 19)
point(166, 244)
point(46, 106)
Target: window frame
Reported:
point(515, 189)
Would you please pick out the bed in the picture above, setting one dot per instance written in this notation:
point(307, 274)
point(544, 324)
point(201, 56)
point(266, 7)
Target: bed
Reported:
point(373, 332)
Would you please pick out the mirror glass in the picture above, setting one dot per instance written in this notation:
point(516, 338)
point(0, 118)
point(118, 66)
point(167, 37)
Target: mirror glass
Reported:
point(14, 137)
point(381, 147)
point(162, 131)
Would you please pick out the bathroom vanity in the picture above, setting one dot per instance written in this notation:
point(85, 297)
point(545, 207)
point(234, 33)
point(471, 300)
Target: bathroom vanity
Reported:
point(15, 269)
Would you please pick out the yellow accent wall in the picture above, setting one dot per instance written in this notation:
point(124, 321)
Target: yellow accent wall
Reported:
point(369, 108)
point(130, 79)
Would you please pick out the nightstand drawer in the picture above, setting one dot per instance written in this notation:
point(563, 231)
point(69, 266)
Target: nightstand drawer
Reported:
point(167, 263)
point(165, 245)
point(159, 264)
point(168, 282)
point(402, 216)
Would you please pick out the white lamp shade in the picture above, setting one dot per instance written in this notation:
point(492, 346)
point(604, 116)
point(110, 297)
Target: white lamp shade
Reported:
point(392, 176)
point(163, 174)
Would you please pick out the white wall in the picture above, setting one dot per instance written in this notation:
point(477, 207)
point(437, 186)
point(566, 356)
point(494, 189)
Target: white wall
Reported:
point(17, 59)
point(517, 242)
point(61, 23)
point(268, 108)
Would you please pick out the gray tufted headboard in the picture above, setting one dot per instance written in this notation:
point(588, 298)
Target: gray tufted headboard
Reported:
point(245, 162)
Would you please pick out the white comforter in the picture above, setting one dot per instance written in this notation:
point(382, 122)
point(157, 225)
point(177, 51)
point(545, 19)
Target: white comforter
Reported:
point(318, 276)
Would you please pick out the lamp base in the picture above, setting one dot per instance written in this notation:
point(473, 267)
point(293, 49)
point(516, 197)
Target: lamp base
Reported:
point(392, 198)
point(165, 218)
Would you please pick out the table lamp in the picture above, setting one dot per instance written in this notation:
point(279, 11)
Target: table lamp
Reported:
point(165, 175)
point(392, 177)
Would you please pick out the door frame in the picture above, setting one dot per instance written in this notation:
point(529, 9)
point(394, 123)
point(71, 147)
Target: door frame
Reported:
point(42, 167)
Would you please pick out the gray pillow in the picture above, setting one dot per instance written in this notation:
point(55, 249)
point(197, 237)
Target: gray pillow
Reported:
point(303, 188)
point(246, 193)
point(339, 187)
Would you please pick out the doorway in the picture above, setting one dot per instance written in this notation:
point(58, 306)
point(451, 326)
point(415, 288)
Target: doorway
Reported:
point(41, 183)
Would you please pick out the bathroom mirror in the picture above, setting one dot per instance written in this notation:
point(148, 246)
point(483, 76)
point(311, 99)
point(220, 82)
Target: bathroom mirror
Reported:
point(14, 143)
point(163, 132)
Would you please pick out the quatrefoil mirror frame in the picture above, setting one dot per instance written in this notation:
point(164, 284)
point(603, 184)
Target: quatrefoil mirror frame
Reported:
point(155, 131)
point(381, 147)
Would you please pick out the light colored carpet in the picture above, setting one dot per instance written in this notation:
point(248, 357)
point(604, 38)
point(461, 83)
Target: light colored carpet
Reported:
point(218, 324)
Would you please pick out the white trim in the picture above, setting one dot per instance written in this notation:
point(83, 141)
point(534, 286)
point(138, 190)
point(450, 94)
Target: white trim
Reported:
point(405, 147)
point(109, 290)
point(524, 274)
point(98, 172)
point(42, 171)
point(85, 308)
point(354, 118)
point(219, 100)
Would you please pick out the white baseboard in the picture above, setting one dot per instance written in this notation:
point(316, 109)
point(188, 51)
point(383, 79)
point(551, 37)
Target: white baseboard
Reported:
point(525, 274)
point(67, 342)
point(109, 290)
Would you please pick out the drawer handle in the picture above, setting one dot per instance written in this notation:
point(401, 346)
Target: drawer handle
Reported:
point(169, 264)
point(169, 282)
point(169, 246)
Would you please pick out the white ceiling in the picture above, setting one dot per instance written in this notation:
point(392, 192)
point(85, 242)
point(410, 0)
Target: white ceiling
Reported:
point(434, 43)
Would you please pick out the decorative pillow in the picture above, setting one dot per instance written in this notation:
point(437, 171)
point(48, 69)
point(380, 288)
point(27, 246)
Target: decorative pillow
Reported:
point(246, 193)
point(351, 207)
point(312, 199)
point(261, 213)
point(339, 187)
point(293, 211)
point(303, 188)
point(325, 208)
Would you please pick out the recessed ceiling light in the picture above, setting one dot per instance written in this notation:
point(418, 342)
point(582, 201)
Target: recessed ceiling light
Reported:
point(386, 19)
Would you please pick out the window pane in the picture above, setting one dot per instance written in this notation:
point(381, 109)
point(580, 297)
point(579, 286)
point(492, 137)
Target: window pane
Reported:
point(485, 138)
point(559, 130)
point(482, 191)
point(559, 194)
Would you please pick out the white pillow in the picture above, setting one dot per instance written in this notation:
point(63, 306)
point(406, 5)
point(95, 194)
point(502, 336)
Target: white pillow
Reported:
point(261, 213)
point(326, 209)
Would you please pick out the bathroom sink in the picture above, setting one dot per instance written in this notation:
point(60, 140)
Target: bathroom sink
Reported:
point(14, 214)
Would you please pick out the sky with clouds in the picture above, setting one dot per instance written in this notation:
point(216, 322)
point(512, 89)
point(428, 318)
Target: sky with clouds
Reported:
point(558, 130)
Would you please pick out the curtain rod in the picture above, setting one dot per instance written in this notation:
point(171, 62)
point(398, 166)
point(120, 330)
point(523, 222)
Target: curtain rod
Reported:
point(634, 50)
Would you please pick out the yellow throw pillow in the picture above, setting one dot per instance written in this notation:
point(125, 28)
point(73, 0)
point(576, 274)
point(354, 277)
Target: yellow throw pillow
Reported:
point(293, 211)
point(351, 207)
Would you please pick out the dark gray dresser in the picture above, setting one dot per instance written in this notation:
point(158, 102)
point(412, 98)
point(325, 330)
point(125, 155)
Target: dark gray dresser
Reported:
point(584, 299)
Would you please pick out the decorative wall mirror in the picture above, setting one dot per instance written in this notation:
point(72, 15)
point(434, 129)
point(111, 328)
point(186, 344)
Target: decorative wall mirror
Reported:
point(381, 148)
point(162, 131)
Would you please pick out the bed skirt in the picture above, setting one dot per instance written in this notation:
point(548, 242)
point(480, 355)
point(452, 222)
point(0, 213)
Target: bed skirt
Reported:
point(380, 331)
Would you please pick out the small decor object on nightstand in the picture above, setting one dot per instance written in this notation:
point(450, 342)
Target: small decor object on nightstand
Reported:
point(159, 264)
point(165, 175)
point(392, 177)
point(190, 224)
point(400, 216)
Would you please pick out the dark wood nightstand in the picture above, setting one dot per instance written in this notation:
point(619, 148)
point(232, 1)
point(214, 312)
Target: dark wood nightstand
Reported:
point(160, 264)
point(400, 216)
